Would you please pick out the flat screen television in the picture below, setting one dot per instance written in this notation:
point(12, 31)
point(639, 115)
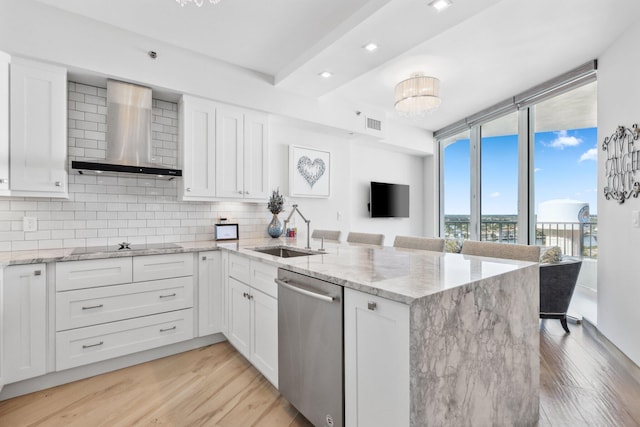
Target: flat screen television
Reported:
point(389, 200)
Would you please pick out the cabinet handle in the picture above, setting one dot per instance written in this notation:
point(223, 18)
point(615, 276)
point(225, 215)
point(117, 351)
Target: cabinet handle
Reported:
point(250, 296)
point(246, 192)
point(168, 296)
point(37, 273)
point(204, 258)
point(245, 295)
point(92, 345)
point(93, 306)
point(168, 329)
point(3, 181)
point(58, 184)
point(372, 306)
point(188, 189)
point(239, 191)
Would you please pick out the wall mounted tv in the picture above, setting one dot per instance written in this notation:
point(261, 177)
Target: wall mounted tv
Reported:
point(389, 200)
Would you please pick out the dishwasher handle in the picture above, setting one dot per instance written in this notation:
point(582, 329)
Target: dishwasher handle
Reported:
point(291, 287)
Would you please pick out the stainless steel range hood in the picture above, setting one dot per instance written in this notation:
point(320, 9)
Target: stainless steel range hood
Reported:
point(129, 147)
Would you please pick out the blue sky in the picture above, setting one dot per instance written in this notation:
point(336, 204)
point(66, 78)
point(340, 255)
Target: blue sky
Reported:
point(565, 168)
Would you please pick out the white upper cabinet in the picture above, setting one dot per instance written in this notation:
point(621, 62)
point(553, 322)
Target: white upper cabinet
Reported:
point(229, 152)
point(224, 151)
point(4, 123)
point(198, 122)
point(38, 143)
point(242, 146)
point(256, 155)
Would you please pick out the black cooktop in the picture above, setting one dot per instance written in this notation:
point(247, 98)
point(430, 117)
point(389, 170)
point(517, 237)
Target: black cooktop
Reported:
point(123, 247)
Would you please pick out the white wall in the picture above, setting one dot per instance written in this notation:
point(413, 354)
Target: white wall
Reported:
point(353, 165)
point(370, 163)
point(618, 241)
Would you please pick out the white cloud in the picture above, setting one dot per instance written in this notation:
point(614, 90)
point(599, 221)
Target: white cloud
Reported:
point(494, 194)
point(564, 140)
point(590, 154)
point(537, 169)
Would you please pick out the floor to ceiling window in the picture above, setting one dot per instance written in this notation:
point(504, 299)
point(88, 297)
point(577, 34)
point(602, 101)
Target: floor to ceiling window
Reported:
point(565, 176)
point(525, 171)
point(455, 186)
point(499, 179)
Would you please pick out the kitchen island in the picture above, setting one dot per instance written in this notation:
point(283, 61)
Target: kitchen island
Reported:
point(472, 336)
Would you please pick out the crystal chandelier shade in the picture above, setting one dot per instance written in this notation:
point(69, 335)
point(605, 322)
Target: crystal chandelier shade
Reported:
point(417, 95)
point(198, 3)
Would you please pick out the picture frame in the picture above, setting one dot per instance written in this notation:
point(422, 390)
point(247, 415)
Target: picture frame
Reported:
point(309, 172)
point(226, 231)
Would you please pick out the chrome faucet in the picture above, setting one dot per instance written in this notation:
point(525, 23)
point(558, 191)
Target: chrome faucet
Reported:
point(294, 210)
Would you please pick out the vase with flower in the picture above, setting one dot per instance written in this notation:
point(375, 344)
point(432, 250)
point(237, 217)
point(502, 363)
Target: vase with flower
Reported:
point(275, 206)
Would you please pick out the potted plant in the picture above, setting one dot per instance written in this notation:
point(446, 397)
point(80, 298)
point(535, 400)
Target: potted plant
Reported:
point(275, 206)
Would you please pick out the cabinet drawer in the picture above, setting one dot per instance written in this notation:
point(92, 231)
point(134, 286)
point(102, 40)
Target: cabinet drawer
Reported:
point(239, 268)
point(263, 278)
point(152, 267)
point(92, 344)
point(86, 307)
point(91, 273)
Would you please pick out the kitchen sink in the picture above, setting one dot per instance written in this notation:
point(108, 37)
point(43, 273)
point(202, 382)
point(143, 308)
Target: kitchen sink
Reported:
point(285, 251)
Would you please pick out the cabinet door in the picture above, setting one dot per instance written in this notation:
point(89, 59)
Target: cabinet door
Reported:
point(38, 129)
point(239, 317)
point(2, 323)
point(376, 337)
point(224, 276)
point(264, 339)
point(4, 123)
point(25, 321)
point(229, 152)
point(256, 155)
point(211, 298)
point(199, 148)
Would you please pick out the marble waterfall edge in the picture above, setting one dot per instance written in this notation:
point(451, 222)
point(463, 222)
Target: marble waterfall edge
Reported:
point(475, 353)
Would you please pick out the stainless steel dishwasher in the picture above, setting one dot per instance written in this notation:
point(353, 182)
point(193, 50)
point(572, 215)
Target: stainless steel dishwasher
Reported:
point(310, 356)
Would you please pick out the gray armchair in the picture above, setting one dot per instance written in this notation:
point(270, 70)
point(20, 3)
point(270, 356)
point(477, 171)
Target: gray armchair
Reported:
point(557, 283)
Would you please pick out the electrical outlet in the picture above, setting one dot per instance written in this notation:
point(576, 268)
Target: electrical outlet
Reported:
point(30, 223)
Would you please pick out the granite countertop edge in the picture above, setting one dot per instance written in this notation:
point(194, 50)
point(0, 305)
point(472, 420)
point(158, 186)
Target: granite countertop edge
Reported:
point(239, 247)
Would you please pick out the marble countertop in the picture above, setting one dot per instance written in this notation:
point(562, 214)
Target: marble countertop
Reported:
point(402, 275)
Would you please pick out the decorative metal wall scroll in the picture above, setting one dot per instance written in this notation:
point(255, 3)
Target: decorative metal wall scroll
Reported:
point(623, 161)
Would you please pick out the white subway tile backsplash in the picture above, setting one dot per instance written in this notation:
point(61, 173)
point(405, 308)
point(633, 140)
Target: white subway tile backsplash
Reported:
point(81, 88)
point(24, 245)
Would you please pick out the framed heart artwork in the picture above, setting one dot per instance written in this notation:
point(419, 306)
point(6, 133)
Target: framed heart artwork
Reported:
point(309, 172)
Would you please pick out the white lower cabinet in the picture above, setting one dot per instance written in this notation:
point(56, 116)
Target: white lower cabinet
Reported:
point(240, 317)
point(264, 337)
point(376, 337)
point(24, 322)
point(253, 314)
point(212, 296)
point(86, 307)
point(91, 344)
point(1, 326)
point(113, 307)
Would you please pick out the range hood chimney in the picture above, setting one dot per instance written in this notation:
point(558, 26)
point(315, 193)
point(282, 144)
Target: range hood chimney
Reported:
point(129, 147)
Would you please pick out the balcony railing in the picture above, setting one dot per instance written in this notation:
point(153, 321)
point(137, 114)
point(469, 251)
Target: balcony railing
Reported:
point(574, 238)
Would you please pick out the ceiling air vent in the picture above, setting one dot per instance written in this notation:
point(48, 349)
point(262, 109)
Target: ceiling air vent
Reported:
point(374, 124)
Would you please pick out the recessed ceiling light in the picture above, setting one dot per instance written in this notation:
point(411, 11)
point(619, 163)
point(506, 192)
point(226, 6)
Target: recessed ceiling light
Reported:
point(440, 5)
point(325, 74)
point(371, 47)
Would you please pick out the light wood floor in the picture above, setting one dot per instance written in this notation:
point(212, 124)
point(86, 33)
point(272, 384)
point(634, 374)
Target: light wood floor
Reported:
point(581, 385)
